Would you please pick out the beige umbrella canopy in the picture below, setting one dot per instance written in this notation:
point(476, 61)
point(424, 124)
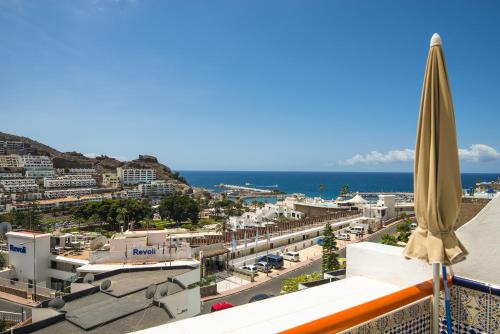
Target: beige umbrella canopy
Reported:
point(437, 185)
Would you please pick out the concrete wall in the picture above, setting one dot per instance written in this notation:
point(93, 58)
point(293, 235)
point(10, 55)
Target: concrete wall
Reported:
point(385, 263)
point(184, 304)
point(481, 236)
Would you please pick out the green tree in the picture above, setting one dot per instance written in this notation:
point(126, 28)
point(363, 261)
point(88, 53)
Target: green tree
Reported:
point(330, 255)
point(292, 284)
point(404, 230)
point(344, 190)
point(179, 208)
point(3, 263)
point(390, 240)
point(121, 216)
point(222, 226)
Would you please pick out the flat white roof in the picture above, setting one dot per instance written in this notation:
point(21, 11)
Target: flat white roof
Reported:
point(283, 312)
point(108, 267)
point(27, 234)
point(69, 260)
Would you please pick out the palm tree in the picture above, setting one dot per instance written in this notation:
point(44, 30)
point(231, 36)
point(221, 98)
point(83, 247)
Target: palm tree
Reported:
point(121, 216)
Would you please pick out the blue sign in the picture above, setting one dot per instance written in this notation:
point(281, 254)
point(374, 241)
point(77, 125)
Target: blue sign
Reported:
point(151, 251)
point(16, 249)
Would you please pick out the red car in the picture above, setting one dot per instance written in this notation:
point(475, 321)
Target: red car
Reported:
point(221, 306)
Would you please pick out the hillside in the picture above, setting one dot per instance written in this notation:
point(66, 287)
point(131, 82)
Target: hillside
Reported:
point(102, 163)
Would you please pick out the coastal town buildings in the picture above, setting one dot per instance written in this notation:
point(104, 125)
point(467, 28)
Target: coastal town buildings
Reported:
point(67, 192)
point(76, 171)
point(19, 185)
point(157, 188)
point(110, 180)
point(70, 181)
point(10, 175)
point(10, 161)
point(36, 162)
point(7, 146)
point(39, 173)
point(134, 176)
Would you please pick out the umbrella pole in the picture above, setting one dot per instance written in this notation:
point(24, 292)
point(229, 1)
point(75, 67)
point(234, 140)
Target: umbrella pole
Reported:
point(435, 301)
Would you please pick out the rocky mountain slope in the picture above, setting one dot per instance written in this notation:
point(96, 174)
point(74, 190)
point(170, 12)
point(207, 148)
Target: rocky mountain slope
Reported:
point(102, 163)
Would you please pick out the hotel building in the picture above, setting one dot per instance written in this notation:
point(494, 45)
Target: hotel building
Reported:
point(36, 162)
point(68, 181)
point(110, 180)
point(131, 176)
point(12, 160)
point(39, 173)
point(156, 188)
point(67, 192)
point(19, 185)
point(11, 146)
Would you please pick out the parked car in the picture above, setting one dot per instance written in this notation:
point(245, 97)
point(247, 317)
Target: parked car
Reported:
point(220, 306)
point(275, 261)
point(358, 229)
point(343, 236)
point(250, 268)
point(292, 256)
point(413, 226)
point(259, 296)
point(263, 266)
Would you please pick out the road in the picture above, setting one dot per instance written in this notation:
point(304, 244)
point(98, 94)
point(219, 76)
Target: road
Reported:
point(273, 287)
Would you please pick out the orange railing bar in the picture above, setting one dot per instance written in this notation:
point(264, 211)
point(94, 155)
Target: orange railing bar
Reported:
point(362, 313)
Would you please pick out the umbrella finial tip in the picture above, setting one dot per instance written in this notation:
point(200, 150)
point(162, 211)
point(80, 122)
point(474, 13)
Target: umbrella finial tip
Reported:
point(435, 40)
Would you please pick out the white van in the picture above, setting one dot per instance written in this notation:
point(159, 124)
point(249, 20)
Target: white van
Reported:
point(357, 229)
point(292, 256)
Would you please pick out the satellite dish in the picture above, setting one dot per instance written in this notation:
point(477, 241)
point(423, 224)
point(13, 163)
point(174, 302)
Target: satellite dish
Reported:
point(163, 290)
point(105, 285)
point(150, 291)
point(89, 278)
point(57, 303)
point(98, 243)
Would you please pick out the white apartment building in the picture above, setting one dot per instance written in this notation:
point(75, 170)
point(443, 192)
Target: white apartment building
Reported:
point(110, 180)
point(156, 188)
point(265, 214)
point(70, 181)
point(9, 175)
point(76, 171)
point(26, 196)
point(67, 192)
point(129, 176)
point(12, 160)
point(7, 145)
point(133, 193)
point(39, 173)
point(19, 185)
point(36, 162)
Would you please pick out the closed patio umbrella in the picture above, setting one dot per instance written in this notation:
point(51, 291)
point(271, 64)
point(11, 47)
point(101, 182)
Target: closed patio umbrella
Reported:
point(437, 184)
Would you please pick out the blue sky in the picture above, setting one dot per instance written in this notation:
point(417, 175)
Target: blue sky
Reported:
point(247, 85)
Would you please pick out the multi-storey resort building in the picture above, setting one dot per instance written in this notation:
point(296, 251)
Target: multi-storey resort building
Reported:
point(12, 160)
point(130, 176)
point(11, 175)
point(19, 185)
point(39, 173)
point(76, 171)
point(68, 181)
point(67, 192)
point(156, 188)
point(11, 146)
point(36, 162)
point(110, 180)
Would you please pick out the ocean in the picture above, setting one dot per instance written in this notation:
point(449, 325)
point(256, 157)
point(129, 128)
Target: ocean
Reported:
point(308, 183)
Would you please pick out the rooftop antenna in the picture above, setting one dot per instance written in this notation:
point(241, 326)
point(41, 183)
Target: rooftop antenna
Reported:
point(150, 291)
point(105, 285)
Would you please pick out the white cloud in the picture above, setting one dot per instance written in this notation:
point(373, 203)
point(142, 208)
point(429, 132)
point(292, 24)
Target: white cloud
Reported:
point(375, 157)
point(475, 153)
point(479, 153)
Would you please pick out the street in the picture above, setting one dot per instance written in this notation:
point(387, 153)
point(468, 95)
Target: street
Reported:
point(273, 287)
